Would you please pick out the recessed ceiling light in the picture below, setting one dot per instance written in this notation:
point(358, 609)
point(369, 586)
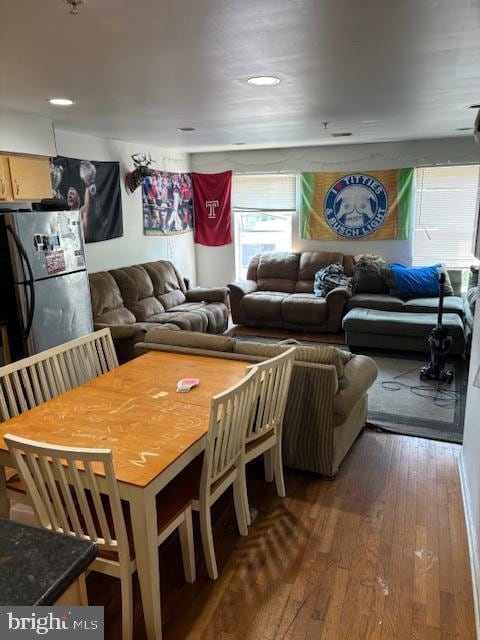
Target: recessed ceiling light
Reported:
point(344, 134)
point(369, 121)
point(185, 128)
point(264, 81)
point(464, 129)
point(61, 102)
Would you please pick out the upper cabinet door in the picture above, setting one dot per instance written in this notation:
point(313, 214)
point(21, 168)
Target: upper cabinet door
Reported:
point(5, 181)
point(30, 178)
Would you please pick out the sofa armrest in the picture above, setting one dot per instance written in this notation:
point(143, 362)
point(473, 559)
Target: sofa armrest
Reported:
point(336, 302)
point(204, 294)
point(123, 331)
point(359, 375)
point(237, 290)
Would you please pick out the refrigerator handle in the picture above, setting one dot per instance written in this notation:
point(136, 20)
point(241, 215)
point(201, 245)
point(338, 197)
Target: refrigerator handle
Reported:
point(30, 299)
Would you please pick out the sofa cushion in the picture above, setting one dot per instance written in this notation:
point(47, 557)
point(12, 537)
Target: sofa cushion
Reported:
point(187, 306)
point(107, 302)
point(451, 304)
point(190, 339)
point(137, 292)
point(168, 286)
point(277, 271)
point(164, 276)
point(310, 262)
point(379, 301)
point(264, 305)
point(171, 299)
point(215, 314)
point(186, 320)
point(305, 309)
point(311, 354)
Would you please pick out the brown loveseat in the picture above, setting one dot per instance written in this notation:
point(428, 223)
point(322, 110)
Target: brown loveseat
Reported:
point(133, 299)
point(327, 401)
point(278, 292)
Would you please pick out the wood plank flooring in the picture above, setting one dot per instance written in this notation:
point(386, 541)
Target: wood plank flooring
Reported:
point(379, 553)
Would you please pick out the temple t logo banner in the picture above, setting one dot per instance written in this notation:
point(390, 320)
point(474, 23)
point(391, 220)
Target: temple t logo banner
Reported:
point(212, 210)
point(358, 205)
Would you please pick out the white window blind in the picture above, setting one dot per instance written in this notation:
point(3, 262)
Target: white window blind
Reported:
point(264, 192)
point(446, 201)
point(263, 206)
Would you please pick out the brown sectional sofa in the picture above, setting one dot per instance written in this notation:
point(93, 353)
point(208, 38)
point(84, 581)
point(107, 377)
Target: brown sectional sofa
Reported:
point(327, 401)
point(134, 299)
point(278, 292)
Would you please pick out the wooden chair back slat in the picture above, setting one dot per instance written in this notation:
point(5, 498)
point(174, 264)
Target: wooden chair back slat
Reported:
point(65, 491)
point(274, 379)
point(47, 394)
point(229, 415)
point(27, 383)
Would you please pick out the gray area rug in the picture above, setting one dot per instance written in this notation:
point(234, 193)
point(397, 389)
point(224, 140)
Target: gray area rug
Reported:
point(399, 401)
point(402, 403)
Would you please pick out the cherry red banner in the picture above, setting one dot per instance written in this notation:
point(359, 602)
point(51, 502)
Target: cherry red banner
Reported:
point(211, 205)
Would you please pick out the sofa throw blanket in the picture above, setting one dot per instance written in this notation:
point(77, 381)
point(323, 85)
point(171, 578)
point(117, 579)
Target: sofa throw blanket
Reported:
point(329, 278)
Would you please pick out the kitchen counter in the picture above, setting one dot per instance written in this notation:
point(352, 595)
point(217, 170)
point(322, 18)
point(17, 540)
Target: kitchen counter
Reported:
point(37, 566)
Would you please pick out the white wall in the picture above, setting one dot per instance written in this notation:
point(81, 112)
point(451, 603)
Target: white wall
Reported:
point(133, 247)
point(32, 135)
point(26, 134)
point(216, 266)
point(471, 462)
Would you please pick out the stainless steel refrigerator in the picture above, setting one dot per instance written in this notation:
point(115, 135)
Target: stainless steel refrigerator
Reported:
point(44, 290)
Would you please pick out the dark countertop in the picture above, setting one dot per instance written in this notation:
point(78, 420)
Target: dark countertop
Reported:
point(37, 565)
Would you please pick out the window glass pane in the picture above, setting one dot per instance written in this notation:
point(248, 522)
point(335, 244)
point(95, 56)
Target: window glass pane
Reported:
point(263, 205)
point(446, 202)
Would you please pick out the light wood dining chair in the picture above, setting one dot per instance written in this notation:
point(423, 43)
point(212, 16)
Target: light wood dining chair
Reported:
point(210, 475)
point(68, 497)
point(264, 432)
point(29, 382)
point(32, 381)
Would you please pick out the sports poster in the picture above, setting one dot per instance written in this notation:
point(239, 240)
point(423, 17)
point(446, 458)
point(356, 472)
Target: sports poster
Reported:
point(167, 203)
point(94, 189)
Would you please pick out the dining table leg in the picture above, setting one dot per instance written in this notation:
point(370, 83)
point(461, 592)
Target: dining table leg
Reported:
point(143, 513)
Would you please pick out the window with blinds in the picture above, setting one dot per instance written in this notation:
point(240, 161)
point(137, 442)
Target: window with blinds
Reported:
point(446, 202)
point(263, 206)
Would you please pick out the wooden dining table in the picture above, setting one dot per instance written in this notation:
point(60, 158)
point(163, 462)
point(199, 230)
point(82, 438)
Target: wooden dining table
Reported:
point(153, 431)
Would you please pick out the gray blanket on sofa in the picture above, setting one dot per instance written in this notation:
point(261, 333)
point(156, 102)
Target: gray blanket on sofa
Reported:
point(329, 278)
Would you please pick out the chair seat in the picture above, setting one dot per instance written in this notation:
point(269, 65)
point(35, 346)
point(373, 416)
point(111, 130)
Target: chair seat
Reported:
point(188, 480)
point(255, 442)
point(171, 502)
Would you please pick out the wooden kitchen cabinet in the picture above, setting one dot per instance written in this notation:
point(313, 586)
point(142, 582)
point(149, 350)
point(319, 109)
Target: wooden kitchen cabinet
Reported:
point(30, 177)
point(6, 192)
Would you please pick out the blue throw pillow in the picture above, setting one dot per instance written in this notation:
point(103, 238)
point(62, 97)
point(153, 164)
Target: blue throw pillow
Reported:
point(422, 281)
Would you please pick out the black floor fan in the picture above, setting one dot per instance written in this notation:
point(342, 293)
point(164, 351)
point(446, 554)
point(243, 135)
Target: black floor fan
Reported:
point(440, 345)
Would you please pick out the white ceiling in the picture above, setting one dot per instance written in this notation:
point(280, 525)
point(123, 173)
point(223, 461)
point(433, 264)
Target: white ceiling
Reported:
point(139, 69)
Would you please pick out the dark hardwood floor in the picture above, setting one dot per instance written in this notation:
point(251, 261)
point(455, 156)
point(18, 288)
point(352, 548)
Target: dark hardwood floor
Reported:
point(381, 552)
